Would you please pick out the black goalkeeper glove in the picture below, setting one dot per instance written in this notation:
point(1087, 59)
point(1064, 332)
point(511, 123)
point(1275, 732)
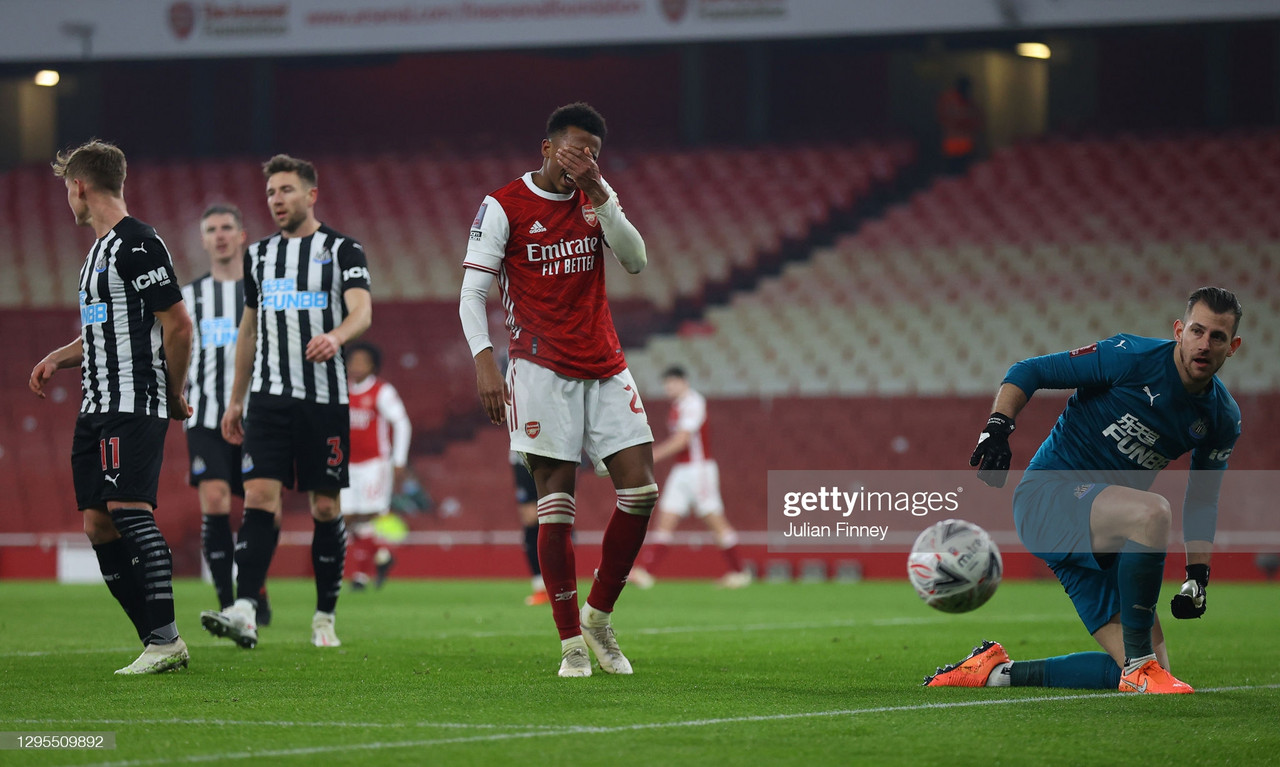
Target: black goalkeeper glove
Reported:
point(992, 455)
point(1190, 601)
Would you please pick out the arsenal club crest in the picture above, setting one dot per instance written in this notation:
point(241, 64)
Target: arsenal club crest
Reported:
point(674, 10)
point(589, 213)
point(532, 429)
point(182, 19)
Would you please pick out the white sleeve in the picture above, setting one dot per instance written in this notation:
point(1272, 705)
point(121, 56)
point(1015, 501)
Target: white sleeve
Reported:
point(486, 248)
point(621, 234)
point(488, 239)
point(472, 309)
point(391, 408)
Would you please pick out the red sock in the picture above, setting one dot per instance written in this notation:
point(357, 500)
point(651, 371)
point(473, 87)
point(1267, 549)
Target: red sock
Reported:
point(733, 557)
point(653, 555)
point(360, 551)
point(559, 572)
point(623, 538)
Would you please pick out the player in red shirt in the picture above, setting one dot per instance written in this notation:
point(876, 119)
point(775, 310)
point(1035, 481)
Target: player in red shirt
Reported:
point(567, 388)
point(693, 485)
point(380, 434)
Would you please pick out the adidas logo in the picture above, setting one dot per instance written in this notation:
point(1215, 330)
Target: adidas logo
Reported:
point(537, 228)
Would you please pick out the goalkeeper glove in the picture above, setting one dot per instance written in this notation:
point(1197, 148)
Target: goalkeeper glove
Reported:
point(992, 455)
point(1190, 601)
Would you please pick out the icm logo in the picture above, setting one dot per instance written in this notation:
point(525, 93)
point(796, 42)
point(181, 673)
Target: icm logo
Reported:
point(157, 276)
point(355, 273)
point(1220, 455)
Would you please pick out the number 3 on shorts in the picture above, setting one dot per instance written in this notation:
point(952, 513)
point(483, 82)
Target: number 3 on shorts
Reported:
point(335, 451)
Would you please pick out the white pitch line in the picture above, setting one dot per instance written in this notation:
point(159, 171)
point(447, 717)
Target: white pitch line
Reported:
point(588, 730)
point(644, 631)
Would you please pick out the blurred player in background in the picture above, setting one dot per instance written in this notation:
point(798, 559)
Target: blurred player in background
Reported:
point(692, 486)
point(306, 294)
point(380, 434)
point(216, 302)
point(1083, 505)
point(527, 508)
point(133, 350)
point(567, 388)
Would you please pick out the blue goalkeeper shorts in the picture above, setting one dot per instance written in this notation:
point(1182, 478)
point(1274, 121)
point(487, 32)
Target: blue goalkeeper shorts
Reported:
point(1051, 513)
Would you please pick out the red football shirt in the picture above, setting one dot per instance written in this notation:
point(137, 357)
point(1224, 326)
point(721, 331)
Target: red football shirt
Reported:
point(547, 251)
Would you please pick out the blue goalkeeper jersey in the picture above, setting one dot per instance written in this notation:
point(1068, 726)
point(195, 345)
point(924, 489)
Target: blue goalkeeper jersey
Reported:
point(1130, 416)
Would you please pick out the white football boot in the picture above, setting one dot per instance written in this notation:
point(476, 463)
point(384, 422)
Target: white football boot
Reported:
point(598, 633)
point(159, 658)
point(237, 623)
point(322, 633)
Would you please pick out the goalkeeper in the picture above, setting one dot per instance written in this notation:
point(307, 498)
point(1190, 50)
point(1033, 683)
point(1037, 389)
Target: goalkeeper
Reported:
point(1084, 507)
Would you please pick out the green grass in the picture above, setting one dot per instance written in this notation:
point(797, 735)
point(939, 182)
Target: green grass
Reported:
point(463, 673)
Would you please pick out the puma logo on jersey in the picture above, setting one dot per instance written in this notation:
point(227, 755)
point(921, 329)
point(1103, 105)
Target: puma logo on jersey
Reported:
point(537, 228)
point(140, 249)
point(115, 481)
point(1152, 397)
point(157, 276)
point(1121, 343)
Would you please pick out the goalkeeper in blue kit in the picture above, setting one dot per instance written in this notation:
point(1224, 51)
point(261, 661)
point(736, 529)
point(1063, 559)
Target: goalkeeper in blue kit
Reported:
point(1084, 506)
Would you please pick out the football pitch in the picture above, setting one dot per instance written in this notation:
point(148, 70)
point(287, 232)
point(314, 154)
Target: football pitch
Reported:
point(461, 672)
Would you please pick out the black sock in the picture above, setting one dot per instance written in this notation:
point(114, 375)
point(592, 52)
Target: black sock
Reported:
point(531, 549)
point(1026, 673)
point(121, 578)
point(328, 556)
point(146, 544)
point(219, 553)
point(254, 546)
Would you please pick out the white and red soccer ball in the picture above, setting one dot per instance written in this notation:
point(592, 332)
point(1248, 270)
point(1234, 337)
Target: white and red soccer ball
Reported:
point(954, 566)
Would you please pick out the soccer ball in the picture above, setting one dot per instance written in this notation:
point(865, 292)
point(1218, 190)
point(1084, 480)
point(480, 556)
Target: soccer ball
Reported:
point(955, 566)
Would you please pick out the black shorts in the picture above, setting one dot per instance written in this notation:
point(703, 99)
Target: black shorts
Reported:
point(212, 457)
point(526, 490)
point(116, 457)
point(286, 437)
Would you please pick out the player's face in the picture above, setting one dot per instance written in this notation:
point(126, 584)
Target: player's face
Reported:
point(221, 237)
point(1205, 340)
point(290, 200)
point(575, 139)
point(75, 198)
point(674, 386)
point(359, 366)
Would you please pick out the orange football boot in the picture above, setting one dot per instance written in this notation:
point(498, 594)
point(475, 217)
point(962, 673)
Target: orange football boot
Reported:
point(973, 670)
point(1152, 678)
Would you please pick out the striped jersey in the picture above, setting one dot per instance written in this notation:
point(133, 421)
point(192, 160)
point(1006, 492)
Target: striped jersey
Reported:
point(296, 285)
point(127, 276)
point(215, 306)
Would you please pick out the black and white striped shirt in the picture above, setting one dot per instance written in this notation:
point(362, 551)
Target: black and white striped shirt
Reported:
point(296, 286)
point(215, 306)
point(127, 276)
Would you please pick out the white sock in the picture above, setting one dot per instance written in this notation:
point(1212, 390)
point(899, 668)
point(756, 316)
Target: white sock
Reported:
point(1133, 664)
point(537, 583)
point(999, 676)
point(593, 617)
